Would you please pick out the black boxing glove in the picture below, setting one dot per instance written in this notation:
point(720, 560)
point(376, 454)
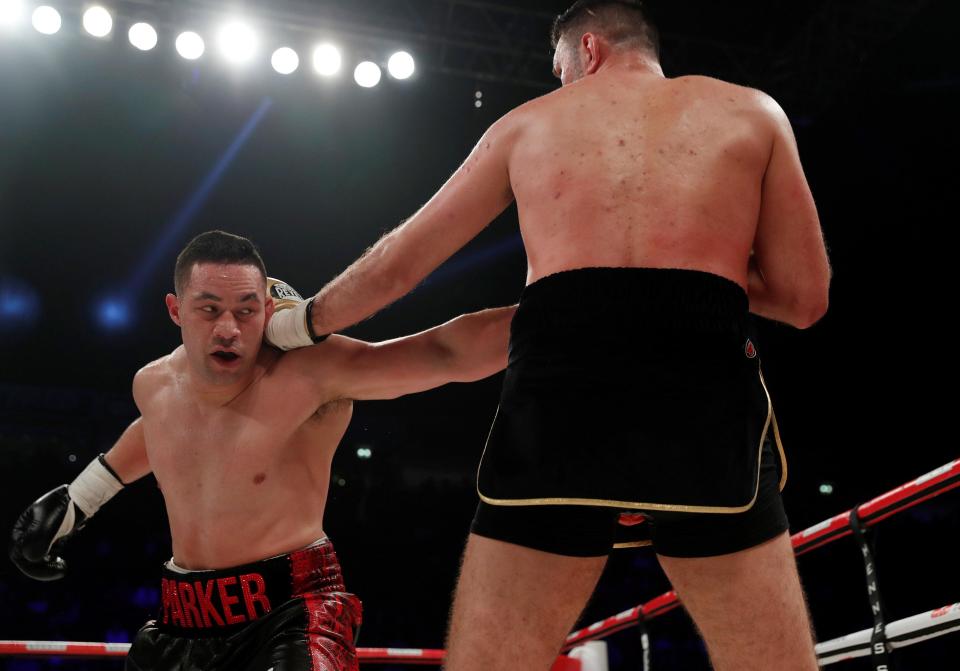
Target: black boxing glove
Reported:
point(42, 529)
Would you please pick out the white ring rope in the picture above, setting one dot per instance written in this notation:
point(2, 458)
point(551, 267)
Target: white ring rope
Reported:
point(900, 634)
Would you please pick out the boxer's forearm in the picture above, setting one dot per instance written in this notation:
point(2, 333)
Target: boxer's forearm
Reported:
point(386, 272)
point(790, 309)
point(369, 284)
point(762, 301)
point(477, 343)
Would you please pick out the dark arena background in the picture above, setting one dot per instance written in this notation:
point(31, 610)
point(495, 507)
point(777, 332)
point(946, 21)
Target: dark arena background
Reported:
point(113, 157)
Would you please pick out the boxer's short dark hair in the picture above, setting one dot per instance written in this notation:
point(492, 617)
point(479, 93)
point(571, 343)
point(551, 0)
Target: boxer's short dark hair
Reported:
point(215, 247)
point(623, 22)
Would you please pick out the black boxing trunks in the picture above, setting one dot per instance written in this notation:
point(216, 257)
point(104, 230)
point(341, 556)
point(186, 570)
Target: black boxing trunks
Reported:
point(637, 390)
point(286, 613)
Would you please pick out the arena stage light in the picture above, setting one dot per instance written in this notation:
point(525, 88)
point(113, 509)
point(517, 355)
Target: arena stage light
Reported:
point(400, 65)
point(143, 36)
point(285, 60)
point(190, 45)
point(46, 20)
point(11, 11)
point(367, 74)
point(97, 21)
point(326, 60)
point(237, 42)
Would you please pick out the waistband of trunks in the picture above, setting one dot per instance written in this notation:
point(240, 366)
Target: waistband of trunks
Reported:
point(220, 602)
point(638, 298)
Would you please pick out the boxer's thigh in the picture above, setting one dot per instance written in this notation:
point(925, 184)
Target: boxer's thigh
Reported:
point(515, 605)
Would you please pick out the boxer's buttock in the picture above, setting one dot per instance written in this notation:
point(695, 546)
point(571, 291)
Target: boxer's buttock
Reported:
point(632, 389)
point(289, 613)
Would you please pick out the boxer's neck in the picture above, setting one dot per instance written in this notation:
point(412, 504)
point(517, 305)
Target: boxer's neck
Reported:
point(213, 394)
point(632, 61)
point(207, 393)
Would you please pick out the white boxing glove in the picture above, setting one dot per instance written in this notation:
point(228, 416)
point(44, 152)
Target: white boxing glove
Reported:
point(290, 326)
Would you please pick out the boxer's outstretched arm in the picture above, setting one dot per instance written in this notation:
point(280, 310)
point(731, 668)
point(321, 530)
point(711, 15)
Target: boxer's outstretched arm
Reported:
point(468, 348)
point(473, 196)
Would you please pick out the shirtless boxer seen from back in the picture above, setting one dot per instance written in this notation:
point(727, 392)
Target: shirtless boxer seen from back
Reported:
point(656, 213)
point(240, 438)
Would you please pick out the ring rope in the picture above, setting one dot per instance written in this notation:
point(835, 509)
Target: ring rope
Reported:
point(916, 491)
point(92, 649)
point(900, 633)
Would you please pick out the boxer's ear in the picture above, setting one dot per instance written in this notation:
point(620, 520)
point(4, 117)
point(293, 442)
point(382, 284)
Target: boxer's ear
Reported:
point(173, 308)
point(268, 308)
point(591, 47)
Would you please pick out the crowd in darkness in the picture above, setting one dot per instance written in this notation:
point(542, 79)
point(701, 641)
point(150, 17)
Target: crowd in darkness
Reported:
point(399, 529)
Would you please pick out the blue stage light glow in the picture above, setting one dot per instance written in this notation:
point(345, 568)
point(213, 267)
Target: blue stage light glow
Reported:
point(19, 305)
point(114, 313)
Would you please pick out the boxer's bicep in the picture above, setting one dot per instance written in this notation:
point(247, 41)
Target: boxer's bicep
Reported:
point(789, 247)
point(465, 349)
point(477, 192)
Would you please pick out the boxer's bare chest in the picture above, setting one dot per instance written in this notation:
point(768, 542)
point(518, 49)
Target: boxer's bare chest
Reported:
point(222, 449)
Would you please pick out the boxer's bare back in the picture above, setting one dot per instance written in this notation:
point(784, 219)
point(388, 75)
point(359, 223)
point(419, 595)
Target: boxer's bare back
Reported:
point(631, 169)
point(623, 168)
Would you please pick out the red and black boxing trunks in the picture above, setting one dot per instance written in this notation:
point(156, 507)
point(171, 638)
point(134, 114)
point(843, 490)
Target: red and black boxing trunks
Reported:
point(637, 390)
point(288, 613)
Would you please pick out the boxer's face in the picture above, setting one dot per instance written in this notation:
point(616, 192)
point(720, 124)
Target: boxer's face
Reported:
point(221, 315)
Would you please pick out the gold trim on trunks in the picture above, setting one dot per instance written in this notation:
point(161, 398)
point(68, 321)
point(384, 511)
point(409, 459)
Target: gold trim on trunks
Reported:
point(644, 505)
point(635, 544)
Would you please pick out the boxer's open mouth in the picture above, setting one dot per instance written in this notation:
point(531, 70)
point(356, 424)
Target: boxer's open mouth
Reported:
point(226, 356)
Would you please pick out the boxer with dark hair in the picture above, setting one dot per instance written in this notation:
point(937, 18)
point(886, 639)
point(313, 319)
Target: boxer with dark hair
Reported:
point(656, 214)
point(240, 438)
